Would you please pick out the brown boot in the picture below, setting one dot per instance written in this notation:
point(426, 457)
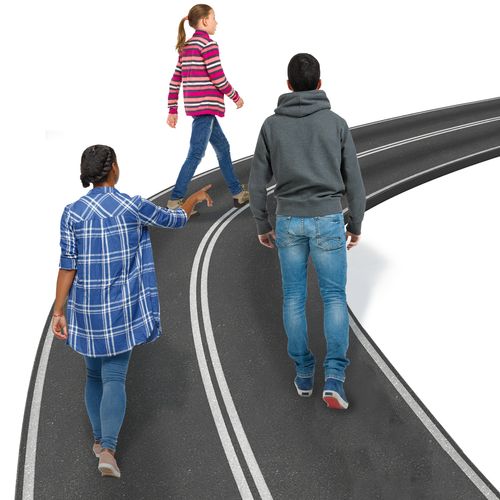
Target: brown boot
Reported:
point(173, 204)
point(107, 463)
point(242, 198)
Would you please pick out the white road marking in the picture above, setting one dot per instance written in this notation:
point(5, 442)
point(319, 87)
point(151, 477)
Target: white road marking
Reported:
point(215, 408)
point(422, 113)
point(246, 449)
point(427, 136)
point(36, 402)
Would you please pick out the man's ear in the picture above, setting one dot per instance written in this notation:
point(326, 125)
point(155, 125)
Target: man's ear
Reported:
point(319, 84)
point(289, 85)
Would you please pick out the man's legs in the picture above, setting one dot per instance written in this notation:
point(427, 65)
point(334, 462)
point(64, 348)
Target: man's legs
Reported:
point(328, 252)
point(200, 135)
point(293, 252)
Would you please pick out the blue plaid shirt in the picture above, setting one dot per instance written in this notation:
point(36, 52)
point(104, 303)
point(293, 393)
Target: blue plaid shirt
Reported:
point(113, 301)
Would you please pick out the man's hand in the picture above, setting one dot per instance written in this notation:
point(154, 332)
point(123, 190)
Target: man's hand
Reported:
point(172, 120)
point(352, 239)
point(239, 103)
point(267, 239)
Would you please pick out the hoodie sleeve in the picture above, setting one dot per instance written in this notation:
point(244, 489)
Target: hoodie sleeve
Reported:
point(260, 175)
point(353, 181)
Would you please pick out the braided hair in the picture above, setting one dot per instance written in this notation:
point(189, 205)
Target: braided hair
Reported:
point(96, 164)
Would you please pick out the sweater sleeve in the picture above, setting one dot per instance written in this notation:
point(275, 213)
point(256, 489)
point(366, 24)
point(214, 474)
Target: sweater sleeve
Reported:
point(353, 181)
point(174, 88)
point(260, 175)
point(211, 57)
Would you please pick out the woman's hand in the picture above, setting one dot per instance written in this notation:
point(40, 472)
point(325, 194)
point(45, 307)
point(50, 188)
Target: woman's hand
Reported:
point(172, 120)
point(198, 197)
point(239, 103)
point(59, 327)
point(202, 195)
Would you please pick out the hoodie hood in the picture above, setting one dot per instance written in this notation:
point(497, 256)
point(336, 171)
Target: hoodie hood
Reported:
point(299, 104)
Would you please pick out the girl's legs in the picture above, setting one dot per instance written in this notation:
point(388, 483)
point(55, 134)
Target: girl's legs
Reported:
point(221, 146)
point(200, 135)
point(114, 398)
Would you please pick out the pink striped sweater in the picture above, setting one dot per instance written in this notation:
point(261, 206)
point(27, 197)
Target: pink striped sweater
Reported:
point(204, 84)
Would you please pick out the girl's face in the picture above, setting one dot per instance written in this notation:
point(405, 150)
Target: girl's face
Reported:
point(209, 23)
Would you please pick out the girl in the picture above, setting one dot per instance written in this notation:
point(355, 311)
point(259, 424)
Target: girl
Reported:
point(107, 269)
point(204, 85)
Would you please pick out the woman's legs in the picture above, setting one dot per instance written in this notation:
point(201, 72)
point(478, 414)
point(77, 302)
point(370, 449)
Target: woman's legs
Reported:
point(105, 396)
point(114, 398)
point(200, 135)
point(93, 394)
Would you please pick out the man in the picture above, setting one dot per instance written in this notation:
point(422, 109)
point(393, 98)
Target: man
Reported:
point(310, 152)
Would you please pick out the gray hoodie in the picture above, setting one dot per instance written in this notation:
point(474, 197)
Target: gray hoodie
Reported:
point(310, 152)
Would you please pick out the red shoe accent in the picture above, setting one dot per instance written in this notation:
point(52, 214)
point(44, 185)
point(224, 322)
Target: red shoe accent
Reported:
point(333, 403)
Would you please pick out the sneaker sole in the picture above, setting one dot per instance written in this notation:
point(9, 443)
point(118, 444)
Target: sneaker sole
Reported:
point(301, 392)
point(334, 401)
point(108, 470)
point(237, 204)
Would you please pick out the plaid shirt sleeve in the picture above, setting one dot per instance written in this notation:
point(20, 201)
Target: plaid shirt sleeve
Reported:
point(68, 242)
point(153, 215)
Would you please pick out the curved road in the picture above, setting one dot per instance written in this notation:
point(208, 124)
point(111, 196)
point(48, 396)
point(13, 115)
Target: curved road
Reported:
point(212, 409)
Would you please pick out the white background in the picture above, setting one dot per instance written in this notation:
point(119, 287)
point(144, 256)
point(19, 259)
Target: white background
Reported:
point(75, 74)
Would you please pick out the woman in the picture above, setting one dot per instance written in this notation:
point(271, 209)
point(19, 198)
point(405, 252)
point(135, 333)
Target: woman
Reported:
point(107, 274)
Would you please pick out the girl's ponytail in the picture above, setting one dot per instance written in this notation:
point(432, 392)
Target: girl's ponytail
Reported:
point(197, 12)
point(181, 36)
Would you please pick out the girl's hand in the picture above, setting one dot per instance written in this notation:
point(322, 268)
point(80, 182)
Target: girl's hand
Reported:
point(172, 120)
point(59, 327)
point(239, 103)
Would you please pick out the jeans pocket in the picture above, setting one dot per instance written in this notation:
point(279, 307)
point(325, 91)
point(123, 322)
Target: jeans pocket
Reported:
point(330, 233)
point(282, 226)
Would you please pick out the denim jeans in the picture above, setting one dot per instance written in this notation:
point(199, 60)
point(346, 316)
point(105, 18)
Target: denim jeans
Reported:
point(206, 129)
point(324, 239)
point(105, 396)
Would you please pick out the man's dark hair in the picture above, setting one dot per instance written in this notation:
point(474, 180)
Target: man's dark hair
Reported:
point(96, 164)
point(303, 72)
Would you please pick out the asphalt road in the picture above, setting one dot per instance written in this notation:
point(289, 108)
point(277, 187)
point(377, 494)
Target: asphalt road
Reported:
point(212, 411)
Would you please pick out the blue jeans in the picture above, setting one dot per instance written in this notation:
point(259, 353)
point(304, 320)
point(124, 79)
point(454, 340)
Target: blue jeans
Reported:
point(105, 396)
point(206, 129)
point(324, 239)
